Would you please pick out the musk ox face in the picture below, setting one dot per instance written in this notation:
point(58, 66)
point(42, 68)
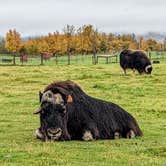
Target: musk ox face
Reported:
point(52, 121)
point(52, 117)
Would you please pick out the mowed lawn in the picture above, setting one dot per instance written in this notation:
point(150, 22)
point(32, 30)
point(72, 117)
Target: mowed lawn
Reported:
point(144, 96)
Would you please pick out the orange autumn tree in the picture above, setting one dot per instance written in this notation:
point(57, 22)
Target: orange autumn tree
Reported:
point(13, 43)
point(83, 40)
point(91, 40)
point(42, 45)
point(79, 41)
point(52, 39)
point(103, 42)
point(69, 31)
point(32, 46)
point(164, 45)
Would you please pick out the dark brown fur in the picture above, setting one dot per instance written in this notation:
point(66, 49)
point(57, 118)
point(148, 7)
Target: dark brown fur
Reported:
point(135, 60)
point(85, 113)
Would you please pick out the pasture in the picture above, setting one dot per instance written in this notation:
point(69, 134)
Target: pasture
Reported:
point(141, 95)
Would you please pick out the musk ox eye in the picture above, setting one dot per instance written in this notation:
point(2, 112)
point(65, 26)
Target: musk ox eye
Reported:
point(62, 103)
point(50, 95)
point(47, 97)
point(62, 110)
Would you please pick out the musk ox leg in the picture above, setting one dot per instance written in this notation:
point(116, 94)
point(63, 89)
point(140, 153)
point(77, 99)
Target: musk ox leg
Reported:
point(87, 136)
point(130, 134)
point(65, 135)
point(124, 71)
point(92, 128)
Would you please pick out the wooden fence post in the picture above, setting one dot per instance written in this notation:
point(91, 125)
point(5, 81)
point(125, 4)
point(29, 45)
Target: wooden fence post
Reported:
point(56, 59)
point(68, 58)
point(149, 54)
point(14, 59)
point(41, 55)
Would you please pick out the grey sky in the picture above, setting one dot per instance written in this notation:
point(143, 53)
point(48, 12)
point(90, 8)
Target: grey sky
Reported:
point(38, 17)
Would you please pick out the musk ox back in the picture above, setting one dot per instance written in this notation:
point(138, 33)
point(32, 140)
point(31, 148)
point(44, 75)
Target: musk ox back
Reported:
point(135, 60)
point(81, 117)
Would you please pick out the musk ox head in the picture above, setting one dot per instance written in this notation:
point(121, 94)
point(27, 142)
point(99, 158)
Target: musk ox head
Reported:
point(53, 117)
point(148, 69)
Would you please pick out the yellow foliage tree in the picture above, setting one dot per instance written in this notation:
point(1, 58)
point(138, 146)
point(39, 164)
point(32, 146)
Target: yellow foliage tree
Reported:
point(13, 43)
point(84, 40)
point(103, 42)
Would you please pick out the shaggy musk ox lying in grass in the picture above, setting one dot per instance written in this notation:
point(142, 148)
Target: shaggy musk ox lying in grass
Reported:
point(135, 60)
point(68, 113)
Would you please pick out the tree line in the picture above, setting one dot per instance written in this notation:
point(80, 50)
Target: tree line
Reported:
point(73, 41)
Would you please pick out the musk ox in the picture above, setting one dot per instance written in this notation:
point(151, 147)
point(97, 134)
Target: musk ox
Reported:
point(68, 113)
point(135, 60)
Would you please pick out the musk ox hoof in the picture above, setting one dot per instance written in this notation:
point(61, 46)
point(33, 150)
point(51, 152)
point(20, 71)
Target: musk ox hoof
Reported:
point(130, 134)
point(87, 136)
point(117, 135)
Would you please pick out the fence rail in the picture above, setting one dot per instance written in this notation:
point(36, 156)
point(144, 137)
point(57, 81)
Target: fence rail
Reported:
point(6, 59)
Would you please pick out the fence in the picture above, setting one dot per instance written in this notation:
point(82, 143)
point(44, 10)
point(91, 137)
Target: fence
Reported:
point(157, 55)
point(7, 59)
point(37, 60)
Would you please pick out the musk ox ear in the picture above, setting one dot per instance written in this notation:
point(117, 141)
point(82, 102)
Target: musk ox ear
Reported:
point(40, 95)
point(69, 99)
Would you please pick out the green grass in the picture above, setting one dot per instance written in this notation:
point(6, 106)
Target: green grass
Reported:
point(143, 96)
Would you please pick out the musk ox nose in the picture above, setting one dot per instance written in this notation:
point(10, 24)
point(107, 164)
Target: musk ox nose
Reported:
point(54, 133)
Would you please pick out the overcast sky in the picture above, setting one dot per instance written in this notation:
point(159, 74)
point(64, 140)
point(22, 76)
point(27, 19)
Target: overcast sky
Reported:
point(38, 17)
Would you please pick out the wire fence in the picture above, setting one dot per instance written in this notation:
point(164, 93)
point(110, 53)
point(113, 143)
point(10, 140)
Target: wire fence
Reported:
point(7, 59)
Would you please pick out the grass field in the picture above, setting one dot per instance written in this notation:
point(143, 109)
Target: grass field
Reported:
point(143, 96)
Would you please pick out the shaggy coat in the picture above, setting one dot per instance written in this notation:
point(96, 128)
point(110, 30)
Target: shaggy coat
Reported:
point(135, 60)
point(85, 114)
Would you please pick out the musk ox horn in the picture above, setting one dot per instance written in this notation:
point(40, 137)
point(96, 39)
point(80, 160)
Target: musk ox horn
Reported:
point(40, 95)
point(148, 67)
point(37, 111)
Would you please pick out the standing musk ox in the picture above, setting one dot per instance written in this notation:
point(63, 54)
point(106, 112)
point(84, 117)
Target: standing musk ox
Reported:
point(68, 113)
point(135, 60)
